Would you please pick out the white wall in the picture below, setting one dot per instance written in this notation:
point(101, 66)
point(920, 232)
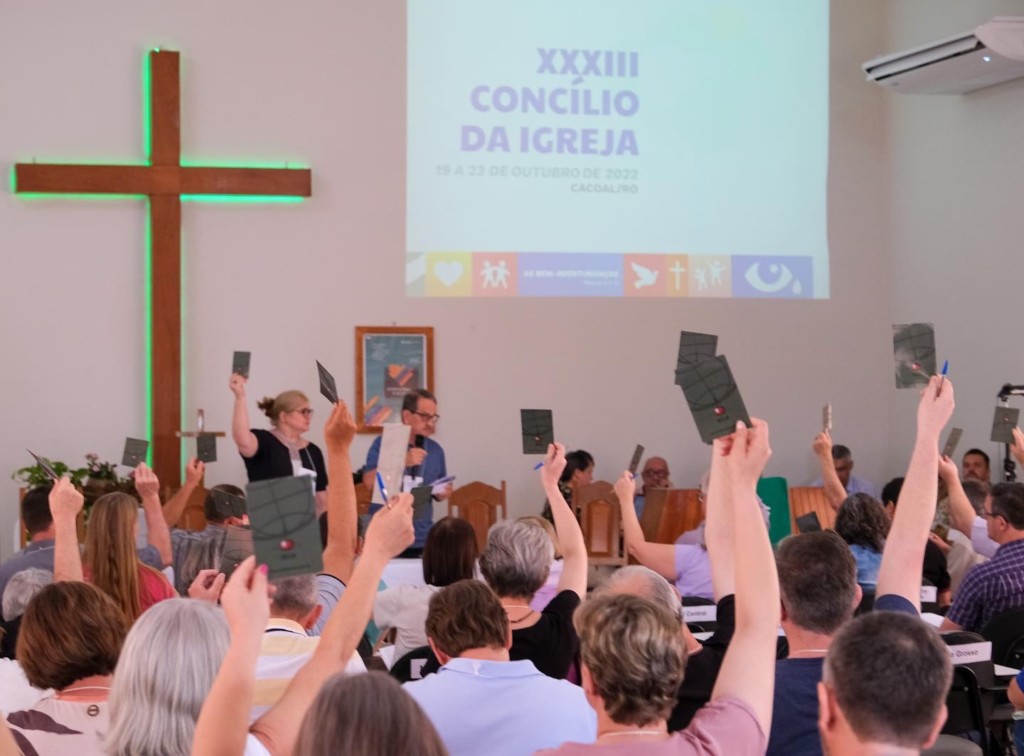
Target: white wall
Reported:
point(957, 223)
point(323, 84)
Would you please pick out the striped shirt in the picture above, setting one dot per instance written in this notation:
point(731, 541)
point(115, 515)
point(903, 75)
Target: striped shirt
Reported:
point(56, 726)
point(286, 649)
point(990, 589)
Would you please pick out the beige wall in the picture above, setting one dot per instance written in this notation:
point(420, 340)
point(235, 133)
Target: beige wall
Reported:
point(323, 83)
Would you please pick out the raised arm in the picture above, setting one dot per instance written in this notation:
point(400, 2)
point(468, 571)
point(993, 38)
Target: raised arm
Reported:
point(903, 556)
point(389, 534)
point(224, 719)
point(342, 510)
point(240, 431)
point(65, 503)
point(748, 669)
point(961, 513)
point(660, 557)
point(719, 533)
point(175, 505)
point(157, 533)
point(570, 537)
point(834, 491)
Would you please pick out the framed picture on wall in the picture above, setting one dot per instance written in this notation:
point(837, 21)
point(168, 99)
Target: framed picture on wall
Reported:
point(390, 362)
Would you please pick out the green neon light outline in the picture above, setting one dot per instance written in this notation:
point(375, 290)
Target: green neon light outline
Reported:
point(241, 199)
point(147, 326)
point(147, 123)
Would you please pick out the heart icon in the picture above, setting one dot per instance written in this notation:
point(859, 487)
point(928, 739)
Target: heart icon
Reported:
point(448, 272)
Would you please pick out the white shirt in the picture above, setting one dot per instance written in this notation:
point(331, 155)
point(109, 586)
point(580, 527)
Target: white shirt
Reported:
point(404, 607)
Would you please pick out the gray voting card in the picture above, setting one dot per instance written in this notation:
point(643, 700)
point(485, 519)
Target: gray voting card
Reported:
point(714, 398)
point(206, 447)
point(538, 430)
point(808, 523)
point(952, 441)
point(237, 548)
point(422, 503)
point(914, 349)
point(135, 450)
point(693, 348)
point(226, 503)
point(1003, 423)
point(327, 385)
point(44, 463)
point(240, 363)
point(638, 454)
point(285, 531)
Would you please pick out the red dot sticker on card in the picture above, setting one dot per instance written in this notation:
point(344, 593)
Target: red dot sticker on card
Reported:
point(915, 366)
point(287, 544)
point(719, 410)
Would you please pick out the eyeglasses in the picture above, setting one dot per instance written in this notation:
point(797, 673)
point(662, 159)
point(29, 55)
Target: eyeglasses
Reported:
point(428, 418)
point(988, 515)
point(305, 412)
point(655, 473)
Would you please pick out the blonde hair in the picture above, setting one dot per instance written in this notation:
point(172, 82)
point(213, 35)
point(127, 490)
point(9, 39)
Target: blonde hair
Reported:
point(110, 550)
point(286, 401)
point(635, 654)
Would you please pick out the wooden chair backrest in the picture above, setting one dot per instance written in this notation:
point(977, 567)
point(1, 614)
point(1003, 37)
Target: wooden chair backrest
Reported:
point(598, 507)
point(479, 504)
point(808, 499)
point(670, 512)
point(364, 494)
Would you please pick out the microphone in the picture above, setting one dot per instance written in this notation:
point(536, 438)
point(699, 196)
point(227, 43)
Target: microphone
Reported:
point(418, 443)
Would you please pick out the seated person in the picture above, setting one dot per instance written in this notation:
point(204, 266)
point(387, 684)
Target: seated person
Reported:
point(977, 466)
point(70, 641)
point(547, 591)
point(579, 471)
point(634, 655)
point(998, 585)
point(482, 702)
point(884, 686)
point(449, 555)
point(965, 514)
point(287, 645)
point(20, 590)
point(862, 523)
point(838, 459)
point(684, 564)
point(654, 475)
point(515, 564)
point(368, 715)
point(934, 570)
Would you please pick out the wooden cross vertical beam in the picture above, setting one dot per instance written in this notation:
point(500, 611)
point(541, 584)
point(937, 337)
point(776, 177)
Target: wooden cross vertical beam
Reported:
point(165, 266)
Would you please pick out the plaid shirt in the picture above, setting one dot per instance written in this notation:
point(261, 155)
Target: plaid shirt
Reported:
point(991, 588)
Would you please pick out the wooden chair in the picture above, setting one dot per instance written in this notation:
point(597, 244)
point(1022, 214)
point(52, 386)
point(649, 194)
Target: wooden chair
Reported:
point(363, 496)
point(670, 512)
point(478, 504)
point(600, 520)
point(810, 499)
point(193, 517)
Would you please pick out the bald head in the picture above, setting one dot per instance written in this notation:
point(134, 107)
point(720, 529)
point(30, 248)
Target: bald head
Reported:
point(655, 473)
point(637, 580)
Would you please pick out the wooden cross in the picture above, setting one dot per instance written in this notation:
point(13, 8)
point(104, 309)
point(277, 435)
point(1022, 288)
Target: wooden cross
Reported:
point(163, 180)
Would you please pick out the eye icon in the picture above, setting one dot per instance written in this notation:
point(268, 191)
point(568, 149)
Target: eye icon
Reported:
point(781, 277)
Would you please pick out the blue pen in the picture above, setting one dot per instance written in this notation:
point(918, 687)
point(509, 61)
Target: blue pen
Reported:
point(942, 377)
point(380, 485)
point(538, 466)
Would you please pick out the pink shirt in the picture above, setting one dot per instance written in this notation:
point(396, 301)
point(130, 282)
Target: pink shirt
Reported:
point(726, 726)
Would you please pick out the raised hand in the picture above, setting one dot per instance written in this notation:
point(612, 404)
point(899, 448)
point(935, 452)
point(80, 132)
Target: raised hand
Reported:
point(948, 470)
point(625, 488)
point(246, 602)
point(207, 586)
point(237, 385)
point(1017, 448)
point(146, 482)
point(934, 409)
point(340, 428)
point(554, 465)
point(65, 500)
point(750, 451)
point(391, 531)
point(822, 445)
point(194, 470)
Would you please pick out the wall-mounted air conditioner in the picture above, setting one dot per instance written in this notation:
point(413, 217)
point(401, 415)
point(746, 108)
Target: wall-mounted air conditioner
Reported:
point(989, 55)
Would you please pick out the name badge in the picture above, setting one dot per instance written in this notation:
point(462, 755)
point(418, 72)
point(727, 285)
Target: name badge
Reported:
point(700, 613)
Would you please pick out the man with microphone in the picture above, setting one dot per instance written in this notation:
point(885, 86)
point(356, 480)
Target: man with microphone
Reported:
point(424, 462)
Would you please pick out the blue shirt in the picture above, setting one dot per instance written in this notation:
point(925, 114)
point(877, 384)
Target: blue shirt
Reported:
point(433, 468)
point(868, 561)
point(855, 485)
point(497, 707)
point(990, 588)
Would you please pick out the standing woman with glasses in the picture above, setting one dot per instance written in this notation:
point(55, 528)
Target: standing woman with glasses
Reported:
point(280, 451)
